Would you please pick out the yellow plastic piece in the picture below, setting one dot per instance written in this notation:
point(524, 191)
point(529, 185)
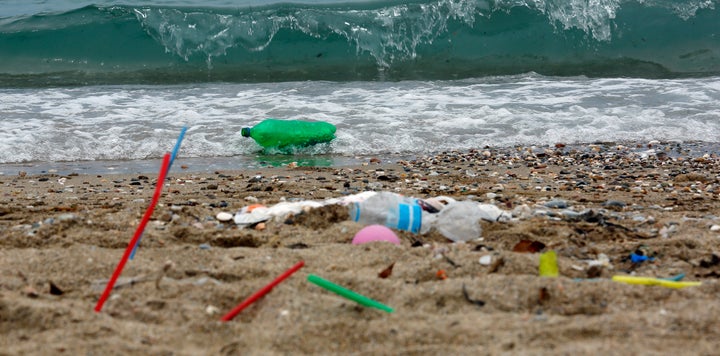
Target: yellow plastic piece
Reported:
point(649, 281)
point(548, 264)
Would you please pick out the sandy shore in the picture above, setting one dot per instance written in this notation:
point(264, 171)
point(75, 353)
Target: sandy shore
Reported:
point(594, 205)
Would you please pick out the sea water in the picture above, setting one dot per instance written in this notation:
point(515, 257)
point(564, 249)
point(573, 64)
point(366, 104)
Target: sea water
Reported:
point(115, 81)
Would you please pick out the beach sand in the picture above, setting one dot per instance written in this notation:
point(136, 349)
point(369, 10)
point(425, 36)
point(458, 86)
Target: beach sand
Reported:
point(62, 237)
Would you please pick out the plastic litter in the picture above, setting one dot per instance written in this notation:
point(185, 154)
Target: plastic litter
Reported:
point(649, 281)
point(456, 220)
point(261, 292)
point(389, 209)
point(256, 213)
point(346, 293)
point(460, 221)
point(635, 258)
point(374, 233)
point(548, 264)
point(280, 210)
point(434, 205)
point(285, 134)
point(492, 213)
point(245, 217)
point(675, 278)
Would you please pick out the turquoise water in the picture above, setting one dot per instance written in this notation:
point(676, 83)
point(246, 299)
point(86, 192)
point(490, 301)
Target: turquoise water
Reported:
point(111, 81)
point(81, 43)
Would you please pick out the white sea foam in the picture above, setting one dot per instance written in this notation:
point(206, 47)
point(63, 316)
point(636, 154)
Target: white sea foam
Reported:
point(125, 122)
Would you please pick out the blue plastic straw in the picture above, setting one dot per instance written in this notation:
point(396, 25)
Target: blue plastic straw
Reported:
point(172, 158)
point(177, 146)
point(676, 278)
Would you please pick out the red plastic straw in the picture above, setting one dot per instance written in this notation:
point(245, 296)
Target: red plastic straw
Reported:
point(265, 290)
point(138, 233)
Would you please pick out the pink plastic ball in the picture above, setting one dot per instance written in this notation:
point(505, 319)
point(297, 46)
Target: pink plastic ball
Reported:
point(375, 233)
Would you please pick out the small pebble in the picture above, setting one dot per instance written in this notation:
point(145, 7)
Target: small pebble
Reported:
point(31, 292)
point(485, 260)
point(223, 216)
point(715, 228)
point(66, 217)
point(614, 204)
point(557, 204)
point(211, 310)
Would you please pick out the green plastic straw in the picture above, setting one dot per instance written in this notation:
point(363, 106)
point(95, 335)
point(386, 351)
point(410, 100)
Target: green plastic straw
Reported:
point(343, 292)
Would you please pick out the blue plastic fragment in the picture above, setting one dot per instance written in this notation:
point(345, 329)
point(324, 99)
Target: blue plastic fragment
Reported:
point(676, 278)
point(635, 258)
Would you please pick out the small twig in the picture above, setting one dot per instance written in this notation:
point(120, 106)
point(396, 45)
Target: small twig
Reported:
point(477, 302)
point(451, 262)
point(163, 272)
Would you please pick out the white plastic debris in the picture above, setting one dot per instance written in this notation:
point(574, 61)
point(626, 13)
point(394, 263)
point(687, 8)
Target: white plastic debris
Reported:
point(349, 199)
point(279, 211)
point(666, 231)
point(466, 229)
point(522, 212)
point(602, 261)
point(460, 221)
point(248, 217)
point(491, 212)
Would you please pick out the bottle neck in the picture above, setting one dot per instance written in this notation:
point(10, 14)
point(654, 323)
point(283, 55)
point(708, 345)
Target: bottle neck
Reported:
point(245, 132)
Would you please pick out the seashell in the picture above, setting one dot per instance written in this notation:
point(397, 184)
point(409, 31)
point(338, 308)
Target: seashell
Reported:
point(485, 260)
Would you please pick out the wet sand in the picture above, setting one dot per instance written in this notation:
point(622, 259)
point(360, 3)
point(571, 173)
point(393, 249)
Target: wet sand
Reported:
point(594, 205)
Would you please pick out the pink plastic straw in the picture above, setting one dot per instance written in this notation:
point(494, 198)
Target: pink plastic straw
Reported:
point(138, 233)
point(260, 293)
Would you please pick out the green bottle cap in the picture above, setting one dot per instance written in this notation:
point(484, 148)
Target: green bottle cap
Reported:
point(245, 132)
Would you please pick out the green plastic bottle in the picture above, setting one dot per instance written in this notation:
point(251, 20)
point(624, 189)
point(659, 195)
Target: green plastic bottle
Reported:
point(285, 134)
